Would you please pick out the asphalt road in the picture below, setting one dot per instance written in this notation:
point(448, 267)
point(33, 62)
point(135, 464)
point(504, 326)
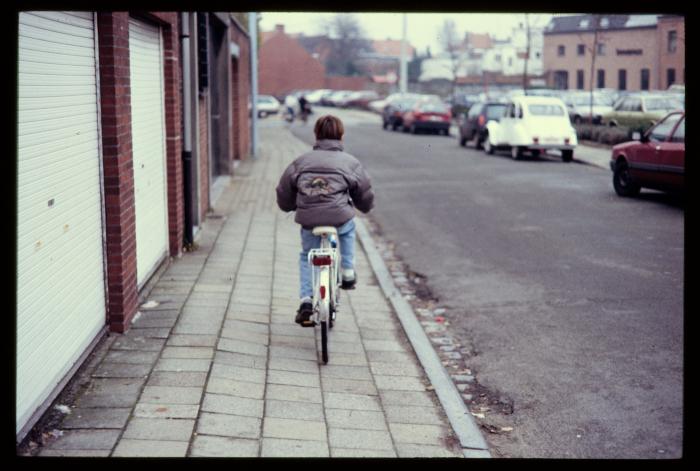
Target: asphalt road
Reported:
point(571, 297)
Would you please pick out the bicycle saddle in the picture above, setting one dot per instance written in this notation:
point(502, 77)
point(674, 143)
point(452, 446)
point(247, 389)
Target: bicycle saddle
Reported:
point(320, 230)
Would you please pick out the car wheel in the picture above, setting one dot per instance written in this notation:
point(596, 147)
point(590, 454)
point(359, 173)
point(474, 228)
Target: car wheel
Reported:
point(385, 125)
point(262, 114)
point(446, 132)
point(413, 129)
point(479, 143)
point(462, 141)
point(622, 181)
point(394, 126)
point(577, 120)
point(567, 155)
point(404, 128)
point(612, 124)
point(487, 145)
point(516, 152)
point(536, 152)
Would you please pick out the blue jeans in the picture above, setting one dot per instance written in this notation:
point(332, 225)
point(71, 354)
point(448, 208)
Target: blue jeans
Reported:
point(346, 234)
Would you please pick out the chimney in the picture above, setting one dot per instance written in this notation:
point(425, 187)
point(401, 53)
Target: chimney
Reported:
point(279, 28)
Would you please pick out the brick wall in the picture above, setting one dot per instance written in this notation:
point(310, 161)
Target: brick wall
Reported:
point(624, 40)
point(336, 82)
point(115, 85)
point(240, 93)
point(117, 156)
point(285, 65)
point(204, 156)
point(668, 59)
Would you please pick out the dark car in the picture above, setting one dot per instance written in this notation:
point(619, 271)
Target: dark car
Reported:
point(655, 159)
point(427, 114)
point(392, 114)
point(472, 126)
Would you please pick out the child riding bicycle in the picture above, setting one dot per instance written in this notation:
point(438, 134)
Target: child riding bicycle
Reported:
point(325, 186)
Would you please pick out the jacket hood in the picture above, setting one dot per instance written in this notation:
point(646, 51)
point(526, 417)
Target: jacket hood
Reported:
point(328, 144)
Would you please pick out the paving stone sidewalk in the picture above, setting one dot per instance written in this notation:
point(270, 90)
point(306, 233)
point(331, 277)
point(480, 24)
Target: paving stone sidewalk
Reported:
point(218, 368)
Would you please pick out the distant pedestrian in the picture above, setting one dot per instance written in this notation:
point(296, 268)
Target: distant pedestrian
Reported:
point(292, 104)
point(325, 186)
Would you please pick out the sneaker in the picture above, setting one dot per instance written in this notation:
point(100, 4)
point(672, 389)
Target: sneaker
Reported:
point(304, 314)
point(348, 279)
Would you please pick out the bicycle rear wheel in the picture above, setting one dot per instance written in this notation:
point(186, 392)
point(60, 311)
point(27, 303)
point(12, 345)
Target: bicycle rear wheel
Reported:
point(324, 342)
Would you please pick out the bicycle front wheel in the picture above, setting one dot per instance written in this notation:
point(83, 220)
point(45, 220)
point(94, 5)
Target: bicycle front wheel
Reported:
point(324, 341)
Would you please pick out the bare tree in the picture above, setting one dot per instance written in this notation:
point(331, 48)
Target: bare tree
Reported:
point(452, 45)
point(349, 40)
point(530, 24)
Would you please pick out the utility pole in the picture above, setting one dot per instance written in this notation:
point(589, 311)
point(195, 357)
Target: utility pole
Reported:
point(403, 84)
point(253, 31)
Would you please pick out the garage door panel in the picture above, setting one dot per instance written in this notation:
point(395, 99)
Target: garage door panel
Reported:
point(148, 141)
point(60, 257)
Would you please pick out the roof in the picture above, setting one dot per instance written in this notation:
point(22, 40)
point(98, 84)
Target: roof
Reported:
point(478, 41)
point(584, 23)
point(391, 47)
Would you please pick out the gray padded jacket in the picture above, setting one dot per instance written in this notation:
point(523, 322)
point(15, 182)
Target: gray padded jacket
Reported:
point(324, 186)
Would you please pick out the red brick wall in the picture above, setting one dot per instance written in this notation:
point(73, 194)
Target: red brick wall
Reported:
point(115, 86)
point(173, 130)
point(336, 82)
point(117, 156)
point(203, 156)
point(240, 93)
point(671, 60)
point(284, 65)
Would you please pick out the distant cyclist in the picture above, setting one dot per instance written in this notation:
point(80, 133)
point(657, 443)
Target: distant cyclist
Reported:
point(304, 108)
point(325, 186)
point(292, 104)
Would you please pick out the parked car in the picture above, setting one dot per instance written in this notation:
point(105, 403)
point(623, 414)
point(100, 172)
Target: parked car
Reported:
point(655, 159)
point(377, 106)
point(533, 124)
point(339, 98)
point(579, 107)
point(641, 108)
point(392, 114)
point(267, 105)
point(314, 97)
point(472, 125)
point(360, 99)
point(427, 114)
point(462, 103)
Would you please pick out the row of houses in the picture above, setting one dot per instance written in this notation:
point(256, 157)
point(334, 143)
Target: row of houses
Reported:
point(129, 125)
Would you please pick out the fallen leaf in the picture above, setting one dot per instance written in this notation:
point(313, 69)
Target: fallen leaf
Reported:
point(430, 388)
point(478, 415)
point(161, 409)
point(439, 319)
point(507, 429)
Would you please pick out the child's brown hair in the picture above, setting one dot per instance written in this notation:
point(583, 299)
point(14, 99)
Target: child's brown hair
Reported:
point(329, 127)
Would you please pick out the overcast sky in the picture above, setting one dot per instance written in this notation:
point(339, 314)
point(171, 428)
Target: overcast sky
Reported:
point(422, 28)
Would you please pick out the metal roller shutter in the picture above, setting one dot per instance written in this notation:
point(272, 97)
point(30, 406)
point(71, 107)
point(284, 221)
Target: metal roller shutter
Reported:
point(148, 142)
point(60, 261)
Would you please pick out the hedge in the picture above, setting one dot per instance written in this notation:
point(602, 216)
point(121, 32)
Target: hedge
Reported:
point(609, 135)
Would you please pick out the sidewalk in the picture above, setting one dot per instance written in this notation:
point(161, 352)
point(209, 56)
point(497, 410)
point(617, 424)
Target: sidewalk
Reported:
point(216, 366)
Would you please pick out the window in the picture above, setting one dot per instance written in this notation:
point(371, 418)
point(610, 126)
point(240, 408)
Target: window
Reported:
point(672, 42)
point(644, 79)
point(600, 83)
point(495, 112)
point(579, 79)
point(546, 110)
point(600, 50)
point(581, 50)
point(679, 135)
point(561, 79)
point(634, 104)
point(561, 51)
point(475, 110)
point(670, 77)
point(622, 79)
point(662, 131)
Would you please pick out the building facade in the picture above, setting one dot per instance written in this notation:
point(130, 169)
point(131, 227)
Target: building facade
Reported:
point(632, 52)
point(105, 198)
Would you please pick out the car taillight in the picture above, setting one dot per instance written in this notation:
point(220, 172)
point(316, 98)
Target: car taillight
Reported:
point(482, 120)
point(323, 292)
point(321, 260)
point(536, 140)
point(566, 140)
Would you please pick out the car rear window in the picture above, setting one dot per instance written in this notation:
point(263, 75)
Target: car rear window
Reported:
point(495, 111)
point(432, 107)
point(546, 110)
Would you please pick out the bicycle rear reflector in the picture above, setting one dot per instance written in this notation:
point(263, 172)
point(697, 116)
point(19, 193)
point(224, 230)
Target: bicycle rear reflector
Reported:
point(323, 292)
point(321, 260)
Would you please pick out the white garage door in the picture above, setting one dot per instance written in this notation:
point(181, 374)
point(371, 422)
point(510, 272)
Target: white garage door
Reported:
point(60, 272)
point(148, 142)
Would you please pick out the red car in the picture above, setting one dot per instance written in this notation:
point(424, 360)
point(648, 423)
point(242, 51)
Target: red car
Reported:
point(655, 159)
point(431, 115)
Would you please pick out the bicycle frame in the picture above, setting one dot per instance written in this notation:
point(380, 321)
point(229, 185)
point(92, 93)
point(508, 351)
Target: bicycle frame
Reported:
point(324, 275)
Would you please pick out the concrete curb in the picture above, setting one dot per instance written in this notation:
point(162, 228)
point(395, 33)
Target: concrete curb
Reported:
point(470, 437)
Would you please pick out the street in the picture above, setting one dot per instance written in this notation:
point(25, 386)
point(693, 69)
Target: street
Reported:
point(570, 297)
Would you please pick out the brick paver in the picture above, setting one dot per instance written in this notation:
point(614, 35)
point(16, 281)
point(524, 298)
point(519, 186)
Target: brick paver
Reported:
point(219, 369)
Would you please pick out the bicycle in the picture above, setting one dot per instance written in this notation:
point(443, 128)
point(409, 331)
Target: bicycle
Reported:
point(325, 276)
